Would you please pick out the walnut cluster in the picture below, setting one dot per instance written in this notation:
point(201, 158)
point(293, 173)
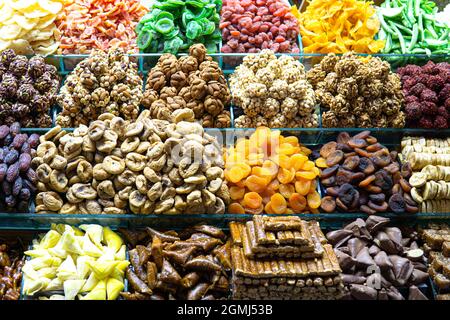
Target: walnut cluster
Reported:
point(273, 92)
point(103, 82)
point(357, 92)
point(195, 82)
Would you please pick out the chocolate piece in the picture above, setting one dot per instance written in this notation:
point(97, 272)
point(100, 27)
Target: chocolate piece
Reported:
point(168, 273)
point(358, 227)
point(152, 273)
point(382, 294)
point(162, 236)
point(136, 283)
point(375, 223)
point(346, 262)
point(180, 257)
point(224, 255)
point(203, 263)
point(385, 243)
point(137, 266)
point(190, 280)
point(211, 231)
point(394, 294)
point(198, 292)
point(402, 268)
point(362, 292)
point(363, 259)
point(339, 237)
point(355, 245)
point(416, 294)
point(382, 261)
point(351, 278)
point(418, 276)
point(374, 250)
point(133, 237)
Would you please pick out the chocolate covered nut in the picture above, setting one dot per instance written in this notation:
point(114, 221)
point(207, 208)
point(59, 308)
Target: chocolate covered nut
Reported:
point(375, 223)
point(364, 259)
point(416, 294)
point(382, 261)
point(362, 292)
point(339, 237)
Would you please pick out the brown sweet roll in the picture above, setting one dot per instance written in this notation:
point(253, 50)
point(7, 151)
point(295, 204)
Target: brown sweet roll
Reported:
point(393, 254)
point(193, 264)
point(361, 174)
point(11, 263)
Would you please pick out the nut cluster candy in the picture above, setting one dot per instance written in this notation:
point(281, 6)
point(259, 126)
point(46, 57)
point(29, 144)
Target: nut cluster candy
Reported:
point(11, 263)
point(195, 82)
point(28, 89)
point(116, 166)
point(430, 159)
point(17, 178)
point(437, 247)
point(357, 92)
point(427, 95)
point(272, 174)
point(359, 173)
point(253, 25)
point(193, 264)
point(393, 255)
point(103, 82)
point(68, 263)
point(273, 92)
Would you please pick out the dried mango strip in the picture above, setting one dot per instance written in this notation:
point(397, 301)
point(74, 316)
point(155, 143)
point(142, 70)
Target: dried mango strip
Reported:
point(86, 25)
point(339, 26)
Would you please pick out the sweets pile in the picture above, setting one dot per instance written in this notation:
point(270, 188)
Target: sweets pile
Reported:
point(88, 25)
point(378, 260)
point(103, 82)
point(272, 174)
point(11, 265)
point(28, 27)
point(87, 263)
point(267, 265)
point(357, 92)
point(173, 26)
point(115, 166)
point(28, 88)
point(339, 26)
point(273, 92)
point(361, 174)
point(193, 264)
point(427, 95)
point(254, 25)
point(437, 247)
point(195, 82)
point(430, 160)
point(17, 177)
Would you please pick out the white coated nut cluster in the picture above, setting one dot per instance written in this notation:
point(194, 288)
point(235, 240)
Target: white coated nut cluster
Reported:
point(273, 92)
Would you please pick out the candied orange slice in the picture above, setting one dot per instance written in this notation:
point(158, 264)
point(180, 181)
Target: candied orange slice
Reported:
point(285, 176)
point(278, 203)
point(237, 193)
point(309, 175)
point(236, 208)
point(252, 200)
point(287, 190)
point(255, 183)
point(313, 199)
point(297, 202)
point(303, 186)
point(321, 163)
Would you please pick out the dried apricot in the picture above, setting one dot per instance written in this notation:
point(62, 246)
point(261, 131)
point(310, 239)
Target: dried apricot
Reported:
point(282, 160)
point(285, 176)
point(273, 185)
point(255, 183)
point(287, 149)
point(362, 135)
point(287, 190)
point(350, 163)
point(321, 162)
point(268, 208)
point(327, 149)
point(335, 157)
point(278, 203)
point(367, 181)
point(343, 137)
point(255, 159)
point(313, 186)
point(306, 151)
point(357, 143)
point(309, 175)
point(272, 167)
point(237, 193)
point(236, 208)
point(328, 172)
point(313, 200)
point(254, 210)
point(235, 174)
point(297, 202)
point(307, 166)
point(328, 204)
point(297, 161)
point(302, 186)
point(252, 200)
point(246, 169)
point(292, 140)
point(366, 166)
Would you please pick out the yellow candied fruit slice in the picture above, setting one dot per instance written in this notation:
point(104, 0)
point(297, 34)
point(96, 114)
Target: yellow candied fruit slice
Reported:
point(236, 208)
point(237, 193)
point(278, 203)
point(313, 199)
point(252, 200)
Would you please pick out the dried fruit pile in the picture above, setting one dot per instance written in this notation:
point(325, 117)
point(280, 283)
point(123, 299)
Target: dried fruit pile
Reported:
point(283, 258)
point(195, 82)
point(273, 92)
point(378, 260)
point(358, 92)
point(437, 247)
point(427, 95)
point(117, 166)
point(28, 27)
point(11, 263)
point(253, 25)
point(103, 82)
point(87, 25)
point(272, 174)
point(430, 159)
point(87, 263)
point(193, 264)
point(17, 178)
point(28, 89)
point(360, 174)
point(339, 26)
point(173, 26)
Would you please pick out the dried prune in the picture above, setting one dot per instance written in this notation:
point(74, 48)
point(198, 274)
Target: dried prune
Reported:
point(397, 203)
point(347, 194)
point(10, 201)
point(334, 158)
point(13, 172)
point(24, 162)
point(367, 209)
point(4, 131)
point(328, 204)
point(328, 172)
point(327, 149)
point(25, 148)
point(11, 156)
point(382, 207)
point(6, 187)
point(377, 198)
point(363, 197)
point(17, 186)
point(25, 194)
point(350, 163)
point(31, 175)
point(33, 140)
point(344, 147)
point(330, 181)
point(29, 185)
point(357, 143)
point(362, 135)
point(3, 169)
point(8, 140)
point(366, 166)
point(383, 180)
point(343, 137)
point(19, 140)
point(343, 176)
point(14, 129)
